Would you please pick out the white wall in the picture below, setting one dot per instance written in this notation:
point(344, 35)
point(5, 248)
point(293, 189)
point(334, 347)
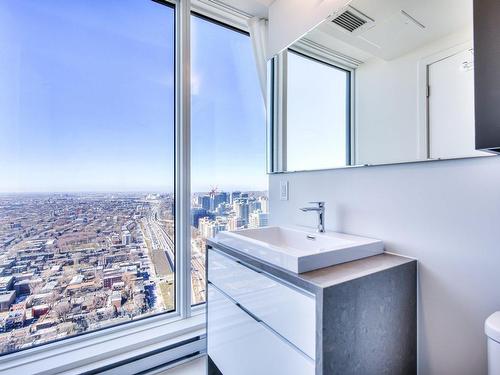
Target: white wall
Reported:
point(387, 104)
point(446, 214)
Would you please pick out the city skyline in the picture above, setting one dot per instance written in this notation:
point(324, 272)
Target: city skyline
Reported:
point(75, 262)
point(193, 193)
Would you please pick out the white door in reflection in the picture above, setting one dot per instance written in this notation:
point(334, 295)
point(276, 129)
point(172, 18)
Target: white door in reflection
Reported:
point(451, 107)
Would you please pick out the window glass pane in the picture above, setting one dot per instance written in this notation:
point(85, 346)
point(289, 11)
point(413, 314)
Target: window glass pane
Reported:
point(228, 175)
point(317, 134)
point(86, 166)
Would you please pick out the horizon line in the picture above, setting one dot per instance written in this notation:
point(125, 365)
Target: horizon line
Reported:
point(125, 191)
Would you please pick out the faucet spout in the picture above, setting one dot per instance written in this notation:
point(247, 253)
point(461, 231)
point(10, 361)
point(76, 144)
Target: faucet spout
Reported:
point(320, 209)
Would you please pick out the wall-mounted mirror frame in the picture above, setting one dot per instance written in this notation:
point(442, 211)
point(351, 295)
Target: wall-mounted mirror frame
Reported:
point(279, 160)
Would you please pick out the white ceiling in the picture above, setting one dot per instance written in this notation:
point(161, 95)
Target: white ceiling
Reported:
point(393, 34)
point(254, 7)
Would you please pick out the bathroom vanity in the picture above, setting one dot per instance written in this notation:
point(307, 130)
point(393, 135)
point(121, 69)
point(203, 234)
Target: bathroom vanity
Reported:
point(357, 317)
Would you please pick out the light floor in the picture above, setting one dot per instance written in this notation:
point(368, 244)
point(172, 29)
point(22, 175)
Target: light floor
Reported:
point(197, 366)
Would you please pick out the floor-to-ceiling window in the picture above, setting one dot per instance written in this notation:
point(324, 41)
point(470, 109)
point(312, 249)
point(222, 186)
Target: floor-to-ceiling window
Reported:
point(86, 166)
point(228, 140)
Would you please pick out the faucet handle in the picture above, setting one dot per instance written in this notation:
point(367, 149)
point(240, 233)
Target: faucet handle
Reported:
point(319, 203)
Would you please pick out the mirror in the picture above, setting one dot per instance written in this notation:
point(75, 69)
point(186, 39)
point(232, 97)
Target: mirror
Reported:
point(378, 82)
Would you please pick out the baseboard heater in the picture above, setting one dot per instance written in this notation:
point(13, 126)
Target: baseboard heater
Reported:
point(157, 359)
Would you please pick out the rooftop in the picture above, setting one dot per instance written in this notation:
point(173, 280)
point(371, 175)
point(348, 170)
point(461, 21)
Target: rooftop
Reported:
point(6, 296)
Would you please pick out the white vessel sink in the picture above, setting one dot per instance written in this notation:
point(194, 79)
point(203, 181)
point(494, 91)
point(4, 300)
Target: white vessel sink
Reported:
point(300, 250)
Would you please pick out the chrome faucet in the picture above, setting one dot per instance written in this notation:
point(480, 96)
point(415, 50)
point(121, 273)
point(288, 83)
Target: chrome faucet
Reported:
point(320, 209)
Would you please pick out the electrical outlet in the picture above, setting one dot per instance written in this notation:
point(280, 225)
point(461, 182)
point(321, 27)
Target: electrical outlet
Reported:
point(283, 190)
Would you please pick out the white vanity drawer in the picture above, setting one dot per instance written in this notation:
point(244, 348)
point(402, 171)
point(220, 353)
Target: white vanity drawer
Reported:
point(288, 311)
point(240, 345)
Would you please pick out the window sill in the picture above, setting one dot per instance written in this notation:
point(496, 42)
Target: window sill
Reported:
point(104, 348)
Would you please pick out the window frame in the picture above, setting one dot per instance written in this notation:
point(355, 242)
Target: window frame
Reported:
point(147, 335)
point(197, 307)
point(278, 100)
point(125, 332)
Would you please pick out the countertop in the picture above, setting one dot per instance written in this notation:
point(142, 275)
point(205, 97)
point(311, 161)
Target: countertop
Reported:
point(317, 280)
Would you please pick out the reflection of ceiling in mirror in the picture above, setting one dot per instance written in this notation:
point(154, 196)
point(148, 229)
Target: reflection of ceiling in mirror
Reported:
point(391, 28)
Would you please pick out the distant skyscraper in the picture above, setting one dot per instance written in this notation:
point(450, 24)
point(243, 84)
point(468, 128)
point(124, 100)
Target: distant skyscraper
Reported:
point(235, 195)
point(217, 199)
point(241, 208)
point(264, 204)
point(258, 219)
point(197, 214)
point(222, 209)
point(209, 228)
point(204, 201)
point(234, 222)
point(253, 205)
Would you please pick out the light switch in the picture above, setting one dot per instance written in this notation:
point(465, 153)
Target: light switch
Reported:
point(283, 190)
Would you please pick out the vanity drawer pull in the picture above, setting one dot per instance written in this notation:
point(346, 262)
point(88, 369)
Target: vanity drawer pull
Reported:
point(249, 313)
point(248, 266)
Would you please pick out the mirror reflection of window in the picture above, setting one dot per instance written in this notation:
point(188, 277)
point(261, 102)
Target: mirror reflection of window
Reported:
point(317, 114)
point(411, 67)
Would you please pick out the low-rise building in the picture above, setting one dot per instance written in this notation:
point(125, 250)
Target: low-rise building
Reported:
point(6, 283)
point(40, 310)
point(116, 299)
point(7, 298)
point(49, 287)
point(22, 287)
point(15, 319)
point(111, 278)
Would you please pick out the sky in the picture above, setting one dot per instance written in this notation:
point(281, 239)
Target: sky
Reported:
point(87, 99)
point(316, 114)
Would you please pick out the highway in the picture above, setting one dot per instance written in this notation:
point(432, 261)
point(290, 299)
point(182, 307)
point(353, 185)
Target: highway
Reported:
point(166, 242)
point(198, 275)
point(161, 242)
point(163, 255)
point(158, 254)
point(161, 251)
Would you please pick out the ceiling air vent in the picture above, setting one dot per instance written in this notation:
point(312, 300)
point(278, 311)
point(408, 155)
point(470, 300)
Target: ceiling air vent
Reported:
point(351, 19)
